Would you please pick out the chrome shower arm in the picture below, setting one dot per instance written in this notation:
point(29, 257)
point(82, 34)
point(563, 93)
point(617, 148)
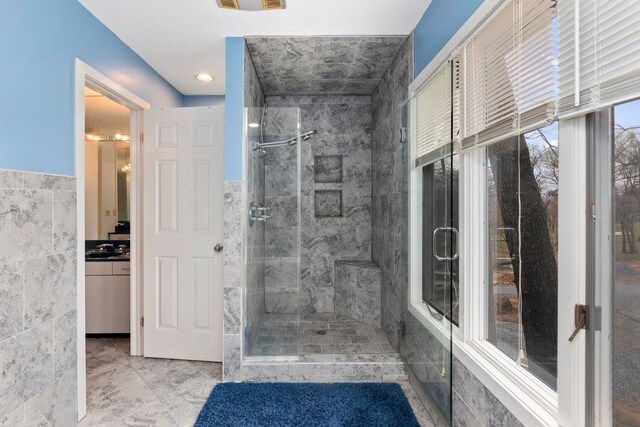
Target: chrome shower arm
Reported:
point(287, 142)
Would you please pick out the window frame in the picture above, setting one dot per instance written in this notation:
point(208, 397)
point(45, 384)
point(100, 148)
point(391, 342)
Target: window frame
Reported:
point(526, 396)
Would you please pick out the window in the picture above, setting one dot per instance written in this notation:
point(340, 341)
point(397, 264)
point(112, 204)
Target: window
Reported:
point(435, 171)
point(626, 279)
point(484, 197)
point(522, 229)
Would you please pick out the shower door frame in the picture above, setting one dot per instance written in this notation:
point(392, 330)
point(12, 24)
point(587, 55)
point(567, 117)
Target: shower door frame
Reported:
point(246, 150)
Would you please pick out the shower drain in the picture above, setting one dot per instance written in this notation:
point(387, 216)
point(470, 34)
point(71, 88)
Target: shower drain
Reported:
point(321, 332)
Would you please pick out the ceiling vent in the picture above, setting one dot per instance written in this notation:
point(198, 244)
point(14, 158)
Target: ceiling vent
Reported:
point(228, 4)
point(252, 4)
point(272, 4)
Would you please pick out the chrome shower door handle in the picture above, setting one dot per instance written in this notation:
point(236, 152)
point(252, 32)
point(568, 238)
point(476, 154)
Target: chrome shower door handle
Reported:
point(433, 244)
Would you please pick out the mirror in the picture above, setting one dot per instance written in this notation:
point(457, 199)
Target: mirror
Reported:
point(123, 169)
point(107, 168)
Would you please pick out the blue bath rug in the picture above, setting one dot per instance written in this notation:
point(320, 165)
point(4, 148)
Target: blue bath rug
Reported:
point(307, 405)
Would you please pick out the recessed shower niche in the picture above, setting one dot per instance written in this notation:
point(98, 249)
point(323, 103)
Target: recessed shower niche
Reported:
point(327, 169)
point(328, 203)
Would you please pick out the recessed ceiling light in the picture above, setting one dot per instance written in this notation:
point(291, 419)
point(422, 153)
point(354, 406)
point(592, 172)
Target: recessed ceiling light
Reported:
point(254, 125)
point(203, 77)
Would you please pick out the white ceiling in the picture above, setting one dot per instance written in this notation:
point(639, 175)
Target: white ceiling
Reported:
point(180, 38)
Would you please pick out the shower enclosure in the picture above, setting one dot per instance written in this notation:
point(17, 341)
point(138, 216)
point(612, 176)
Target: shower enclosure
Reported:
point(293, 179)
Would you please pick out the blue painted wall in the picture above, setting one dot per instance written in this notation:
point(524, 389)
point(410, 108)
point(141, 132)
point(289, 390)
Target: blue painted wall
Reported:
point(441, 20)
point(202, 100)
point(234, 106)
point(39, 40)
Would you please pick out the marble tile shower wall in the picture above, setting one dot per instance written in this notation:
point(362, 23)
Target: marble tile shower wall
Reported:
point(322, 65)
point(389, 190)
point(233, 305)
point(38, 334)
point(336, 215)
point(242, 313)
point(472, 403)
point(255, 298)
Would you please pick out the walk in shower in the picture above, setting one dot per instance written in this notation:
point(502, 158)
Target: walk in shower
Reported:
point(300, 298)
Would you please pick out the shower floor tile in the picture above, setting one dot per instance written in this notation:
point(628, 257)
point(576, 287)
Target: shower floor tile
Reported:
point(325, 333)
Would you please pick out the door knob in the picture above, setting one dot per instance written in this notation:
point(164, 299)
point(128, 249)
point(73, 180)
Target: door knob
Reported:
point(218, 247)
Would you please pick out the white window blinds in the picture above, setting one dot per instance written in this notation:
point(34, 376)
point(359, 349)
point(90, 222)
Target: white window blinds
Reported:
point(509, 72)
point(599, 48)
point(433, 103)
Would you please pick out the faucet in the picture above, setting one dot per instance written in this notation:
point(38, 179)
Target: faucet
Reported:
point(107, 247)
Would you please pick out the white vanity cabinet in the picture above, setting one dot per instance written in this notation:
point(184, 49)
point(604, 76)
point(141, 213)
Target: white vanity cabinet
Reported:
point(107, 297)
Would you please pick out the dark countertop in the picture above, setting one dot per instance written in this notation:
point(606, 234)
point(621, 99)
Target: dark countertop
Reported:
point(116, 256)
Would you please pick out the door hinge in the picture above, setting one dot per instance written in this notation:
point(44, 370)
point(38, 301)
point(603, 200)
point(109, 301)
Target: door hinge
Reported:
point(142, 321)
point(142, 138)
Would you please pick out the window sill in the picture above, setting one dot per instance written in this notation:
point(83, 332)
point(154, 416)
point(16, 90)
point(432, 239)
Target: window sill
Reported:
point(528, 398)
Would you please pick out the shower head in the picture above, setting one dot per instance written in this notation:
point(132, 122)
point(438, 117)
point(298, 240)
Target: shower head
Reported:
point(307, 136)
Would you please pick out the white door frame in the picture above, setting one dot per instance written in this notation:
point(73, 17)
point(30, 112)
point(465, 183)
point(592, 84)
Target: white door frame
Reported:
point(85, 75)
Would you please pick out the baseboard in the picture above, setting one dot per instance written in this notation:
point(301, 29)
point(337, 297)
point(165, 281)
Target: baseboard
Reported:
point(108, 335)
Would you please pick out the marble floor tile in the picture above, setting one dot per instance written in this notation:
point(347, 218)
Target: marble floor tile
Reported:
point(328, 333)
point(211, 370)
point(141, 392)
point(134, 391)
point(123, 344)
point(156, 416)
point(112, 381)
point(119, 405)
point(102, 355)
point(87, 421)
point(186, 406)
point(166, 377)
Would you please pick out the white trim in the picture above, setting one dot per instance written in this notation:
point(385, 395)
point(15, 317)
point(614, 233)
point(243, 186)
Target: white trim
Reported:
point(576, 51)
point(86, 75)
point(136, 236)
point(572, 200)
point(473, 246)
point(475, 21)
point(524, 395)
point(604, 272)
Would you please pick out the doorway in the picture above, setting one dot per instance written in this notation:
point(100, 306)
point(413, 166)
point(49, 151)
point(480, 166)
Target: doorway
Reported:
point(100, 142)
point(183, 193)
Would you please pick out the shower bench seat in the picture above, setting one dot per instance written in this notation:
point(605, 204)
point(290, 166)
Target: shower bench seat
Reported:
point(357, 285)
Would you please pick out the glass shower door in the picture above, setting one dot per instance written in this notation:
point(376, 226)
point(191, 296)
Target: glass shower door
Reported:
point(426, 344)
point(273, 232)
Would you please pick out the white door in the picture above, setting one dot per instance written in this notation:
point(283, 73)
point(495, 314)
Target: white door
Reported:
point(183, 222)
